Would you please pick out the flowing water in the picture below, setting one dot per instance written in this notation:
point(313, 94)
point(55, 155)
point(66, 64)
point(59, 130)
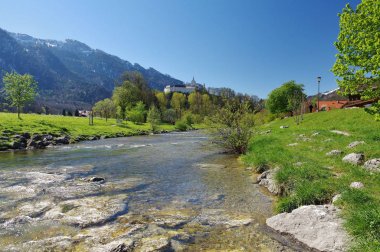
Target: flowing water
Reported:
point(166, 192)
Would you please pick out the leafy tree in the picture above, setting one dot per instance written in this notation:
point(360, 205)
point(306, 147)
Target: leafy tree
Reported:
point(286, 98)
point(76, 113)
point(232, 126)
point(358, 60)
point(106, 108)
point(138, 113)
point(69, 113)
point(154, 117)
point(178, 103)
point(19, 89)
point(125, 96)
point(206, 104)
point(195, 102)
point(162, 101)
point(64, 112)
point(169, 116)
point(142, 91)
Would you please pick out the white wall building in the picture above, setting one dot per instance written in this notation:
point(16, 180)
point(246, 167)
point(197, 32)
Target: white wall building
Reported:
point(186, 88)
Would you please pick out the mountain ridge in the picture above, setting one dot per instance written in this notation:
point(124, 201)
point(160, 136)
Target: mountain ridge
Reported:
point(69, 71)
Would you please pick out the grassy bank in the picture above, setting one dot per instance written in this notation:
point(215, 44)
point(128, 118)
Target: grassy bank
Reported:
point(317, 177)
point(73, 126)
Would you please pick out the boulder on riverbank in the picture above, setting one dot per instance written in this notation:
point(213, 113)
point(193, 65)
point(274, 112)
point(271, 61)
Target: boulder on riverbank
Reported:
point(319, 227)
point(267, 179)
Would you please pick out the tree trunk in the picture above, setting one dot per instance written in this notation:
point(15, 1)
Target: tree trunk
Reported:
point(18, 112)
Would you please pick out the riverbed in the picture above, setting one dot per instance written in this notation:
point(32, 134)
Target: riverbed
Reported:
point(168, 192)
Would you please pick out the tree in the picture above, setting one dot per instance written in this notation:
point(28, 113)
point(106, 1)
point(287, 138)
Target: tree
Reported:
point(286, 98)
point(142, 91)
point(233, 126)
point(76, 113)
point(125, 96)
point(206, 104)
point(358, 60)
point(162, 101)
point(169, 116)
point(64, 112)
point(178, 103)
point(106, 108)
point(154, 117)
point(137, 113)
point(195, 102)
point(19, 89)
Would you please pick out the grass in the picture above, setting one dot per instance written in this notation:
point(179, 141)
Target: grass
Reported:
point(320, 177)
point(72, 126)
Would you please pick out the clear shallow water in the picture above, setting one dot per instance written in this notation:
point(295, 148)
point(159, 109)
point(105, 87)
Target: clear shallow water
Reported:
point(152, 176)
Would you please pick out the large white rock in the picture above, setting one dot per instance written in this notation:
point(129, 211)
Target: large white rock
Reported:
point(267, 179)
point(318, 227)
point(373, 165)
point(354, 158)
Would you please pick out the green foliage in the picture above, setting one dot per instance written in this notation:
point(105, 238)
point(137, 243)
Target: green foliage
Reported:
point(169, 116)
point(181, 125)
point(195, 102)
point(233, 126)
point(374, 110)
point(358, 59)
point(138, 113)
point(141, 89)
point(19, 89)
point(178, 103)
point(125, 96)
point(154, 117)
point(105, 108)
point(286, 98)
point(162, 101)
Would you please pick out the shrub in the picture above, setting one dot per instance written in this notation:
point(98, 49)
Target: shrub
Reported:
point(137, 113)
point(169, 116)
point(153, 118)
point(181, 125)
point(233, 126)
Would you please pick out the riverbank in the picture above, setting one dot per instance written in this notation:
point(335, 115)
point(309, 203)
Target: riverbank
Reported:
point(330, 155)
point(35, 131)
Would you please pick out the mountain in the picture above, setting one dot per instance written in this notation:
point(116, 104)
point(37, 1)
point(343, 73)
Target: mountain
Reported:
point(69, 73)
point(331, 95)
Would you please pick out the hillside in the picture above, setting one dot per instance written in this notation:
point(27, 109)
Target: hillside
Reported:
point(308, 176)
point(69, 73)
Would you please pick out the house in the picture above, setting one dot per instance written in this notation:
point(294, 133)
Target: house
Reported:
point(328, 105)
point(84, 113)
point(184, 88)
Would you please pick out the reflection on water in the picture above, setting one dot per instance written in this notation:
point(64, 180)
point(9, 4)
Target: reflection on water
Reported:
point(165, 183)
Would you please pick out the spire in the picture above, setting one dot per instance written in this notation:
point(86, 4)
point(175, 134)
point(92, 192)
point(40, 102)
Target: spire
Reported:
point(193, 82)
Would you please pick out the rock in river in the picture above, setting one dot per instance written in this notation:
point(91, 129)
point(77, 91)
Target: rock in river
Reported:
point(319, 227)
point(87, 211)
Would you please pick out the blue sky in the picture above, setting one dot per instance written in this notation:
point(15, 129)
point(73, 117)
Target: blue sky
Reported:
point(251, 46)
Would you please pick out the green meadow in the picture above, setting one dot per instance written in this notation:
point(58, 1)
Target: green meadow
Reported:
point(308, 176)
point(72, 126)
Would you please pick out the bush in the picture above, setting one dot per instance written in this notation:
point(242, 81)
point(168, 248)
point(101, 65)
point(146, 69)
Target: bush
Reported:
point(154, 118)
point(181, 125)
point(169, 116)
point(233, 126)
point(137, 113)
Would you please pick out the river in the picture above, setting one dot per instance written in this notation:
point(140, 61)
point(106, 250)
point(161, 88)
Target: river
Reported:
point(169, 192)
